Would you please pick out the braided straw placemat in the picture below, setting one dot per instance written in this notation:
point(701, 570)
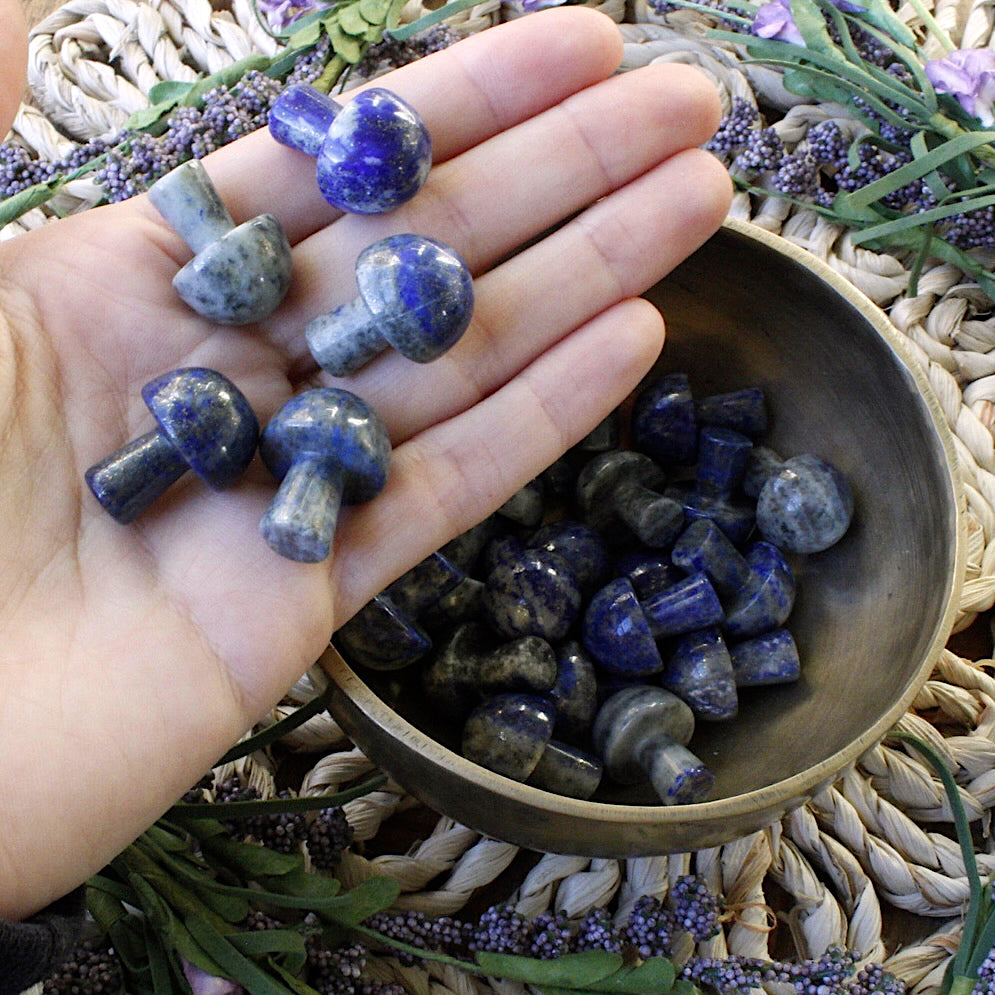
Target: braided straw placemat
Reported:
point(876, 841)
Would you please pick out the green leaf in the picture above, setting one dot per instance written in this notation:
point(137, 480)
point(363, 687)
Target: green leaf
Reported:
point(811, 24)
point(168, 91)
point(292, 982)
point(921, 219)
point(13, 207)
point(233, 965)
point(345, 45)
point(162, 976)
point(652, 977)
point(375, 11)
point(580, 970)
point(351, 20)
point(359, 903)
point(880, 14)
point(914, 170)
point(287, 942)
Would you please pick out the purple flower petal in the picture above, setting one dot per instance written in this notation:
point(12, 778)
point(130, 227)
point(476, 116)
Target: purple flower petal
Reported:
point(203, 983)
point(969, 75)
point(774, 20)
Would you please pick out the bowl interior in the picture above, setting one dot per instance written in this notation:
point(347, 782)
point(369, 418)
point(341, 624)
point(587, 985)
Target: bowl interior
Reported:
point(872, 612)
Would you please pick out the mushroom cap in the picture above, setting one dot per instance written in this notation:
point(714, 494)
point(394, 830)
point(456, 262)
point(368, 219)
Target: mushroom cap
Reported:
point(335, 427)
point(241, 277)
point(617, 634)
point(207, 419)
point(376, 154)
point(631, 719)
point(601, 475)
point(420, 292)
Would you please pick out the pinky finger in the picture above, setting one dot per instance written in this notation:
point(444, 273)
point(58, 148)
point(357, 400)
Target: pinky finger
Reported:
point(454, 474)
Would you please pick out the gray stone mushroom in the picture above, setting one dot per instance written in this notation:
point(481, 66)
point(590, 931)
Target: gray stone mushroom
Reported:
point(239, 274)
point(642, 732)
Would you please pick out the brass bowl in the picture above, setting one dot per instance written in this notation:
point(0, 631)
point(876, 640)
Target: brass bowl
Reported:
point(873, 612)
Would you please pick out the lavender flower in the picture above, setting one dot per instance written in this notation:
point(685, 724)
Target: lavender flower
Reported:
point(280, 14)
point(531, 5)
point(203, 983)
point(774, 20)
point(969, 75)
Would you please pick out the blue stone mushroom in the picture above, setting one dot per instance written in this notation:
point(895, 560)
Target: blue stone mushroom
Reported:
point(767, 598)
point(567, 770)
point(806, 506)
point(239, 274)
point(204, 424)
point(620, 630)
point(700, 671)
point(770, 658)
point(415, 294)
point(641, 732)
point(665, 422)
point(508, 734)
point(382, 637)
point(328, 447)
point(373, 154)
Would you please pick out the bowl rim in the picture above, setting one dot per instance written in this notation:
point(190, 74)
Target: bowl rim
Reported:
point(783, 794)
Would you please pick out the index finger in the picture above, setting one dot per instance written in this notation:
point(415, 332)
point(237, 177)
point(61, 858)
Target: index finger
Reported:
point(465, 94)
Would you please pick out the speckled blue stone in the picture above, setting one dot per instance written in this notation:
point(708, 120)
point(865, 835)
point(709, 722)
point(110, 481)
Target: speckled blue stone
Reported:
point(238, 275)
point(624, 487)
point(574, 692)
point(742, 410)
point(704, 548)
point(567, 770)
point(465, 549)
point(699, 670)
point(461, 603)
point(770, 658)
point(508, 733)
point(664, 422)
point(204, 423)
point(450, 677)
point(580, 545)
point(763, 556)
point(502, 550)
point(415, 294)
point(424, 584)
point(765, 601)
point(617, 634)
point(649, 571)
point(736, 518)
point(380, 637)
point(328, 447)
point(806, 506)
point(722, 456)
point(535, 594)
point(373, 154)
point(641, 732)
point(688, 605)
point(527, 664)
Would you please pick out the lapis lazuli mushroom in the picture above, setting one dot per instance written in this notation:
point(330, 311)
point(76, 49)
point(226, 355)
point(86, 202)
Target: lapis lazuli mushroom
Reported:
point(641, 732)
point(699, 670)
point(415, 294)
point(380, 636)
point(622, 488)
point(743, 410)
point(664, 421)
point(417, 589)
point(567, 770)
point(328, 447)
point(620, 630)
point(704, 548)
point(580, 545)
point(806, 506)
point(507, 734)
point(204, 424)
point(373, 153)
point(532, 594)
point(238, 274)
point(722, 459)
point(767, 598)
point(770, 658)
point(574, 692)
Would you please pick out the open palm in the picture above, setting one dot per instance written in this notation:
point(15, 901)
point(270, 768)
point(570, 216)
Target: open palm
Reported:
point(133, 656)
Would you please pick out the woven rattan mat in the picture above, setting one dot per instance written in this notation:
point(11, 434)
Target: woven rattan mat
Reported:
point(871, 863)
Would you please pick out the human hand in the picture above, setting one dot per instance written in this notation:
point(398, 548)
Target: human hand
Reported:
point(134, 656)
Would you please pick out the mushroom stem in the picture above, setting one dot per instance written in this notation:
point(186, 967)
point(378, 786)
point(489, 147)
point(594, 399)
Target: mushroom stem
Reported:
point(677, 775)
point(654, 518)
point(187, 200)
point(129, 480)
point(345, 339)
point(300, 522)
point(301, 118)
